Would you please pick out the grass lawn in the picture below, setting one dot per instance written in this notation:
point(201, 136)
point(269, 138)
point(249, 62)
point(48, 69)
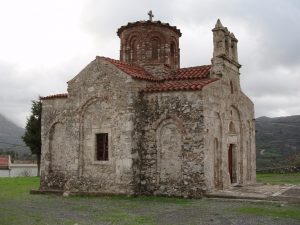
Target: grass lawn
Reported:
point(17, 206)
point(292, 178)
point(18, 186)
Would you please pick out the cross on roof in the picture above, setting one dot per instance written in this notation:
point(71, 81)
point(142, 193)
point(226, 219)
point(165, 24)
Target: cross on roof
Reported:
point(150, 15)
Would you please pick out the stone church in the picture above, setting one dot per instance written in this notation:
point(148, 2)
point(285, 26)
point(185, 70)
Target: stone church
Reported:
point(142, 125)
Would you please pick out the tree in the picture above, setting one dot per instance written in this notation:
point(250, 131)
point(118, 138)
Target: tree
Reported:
point(32, 135)
point(293, 159)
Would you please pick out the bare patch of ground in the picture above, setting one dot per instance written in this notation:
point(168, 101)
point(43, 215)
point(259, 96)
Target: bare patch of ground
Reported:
point(50, 209)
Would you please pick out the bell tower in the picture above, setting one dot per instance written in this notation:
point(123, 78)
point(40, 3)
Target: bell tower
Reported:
point(152, 45)
point(225, 51)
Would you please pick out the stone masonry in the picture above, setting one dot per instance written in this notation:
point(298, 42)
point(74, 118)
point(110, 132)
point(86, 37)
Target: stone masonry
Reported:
point(142, 125)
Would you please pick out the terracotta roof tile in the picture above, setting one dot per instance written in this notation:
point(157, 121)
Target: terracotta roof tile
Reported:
point(192, 78)
point(183, 85)
point(190, 73)
point(133, 70)
point(55, 96)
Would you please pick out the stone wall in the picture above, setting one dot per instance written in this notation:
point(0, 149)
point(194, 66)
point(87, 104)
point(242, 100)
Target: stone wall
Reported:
point(100, 100)
point(228, 118)
point(173, 143)
point(171, 148)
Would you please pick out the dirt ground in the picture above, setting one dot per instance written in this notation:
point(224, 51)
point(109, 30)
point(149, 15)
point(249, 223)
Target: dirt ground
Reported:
point(54, 209)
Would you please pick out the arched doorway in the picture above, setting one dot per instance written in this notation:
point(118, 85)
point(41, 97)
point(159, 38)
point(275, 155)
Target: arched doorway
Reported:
point(232, 163)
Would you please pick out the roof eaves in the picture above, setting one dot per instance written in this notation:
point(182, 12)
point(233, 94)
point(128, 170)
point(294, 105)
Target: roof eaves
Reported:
point(65, 95)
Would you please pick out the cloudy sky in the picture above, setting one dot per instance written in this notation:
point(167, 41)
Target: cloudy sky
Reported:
point(43, 44)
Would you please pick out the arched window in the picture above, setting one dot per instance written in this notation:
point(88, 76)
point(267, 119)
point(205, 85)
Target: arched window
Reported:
point(134, 50)
point(172, 54)
point(154, 49)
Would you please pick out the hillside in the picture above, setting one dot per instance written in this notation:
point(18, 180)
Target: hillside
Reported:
point(276, 139)
point(11, 133)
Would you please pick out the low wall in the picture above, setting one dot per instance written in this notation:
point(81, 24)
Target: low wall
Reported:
point(291, 169)
point(19, 170)
point(25, 161)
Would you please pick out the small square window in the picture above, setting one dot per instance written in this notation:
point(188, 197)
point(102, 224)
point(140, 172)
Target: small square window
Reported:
point(102, 147)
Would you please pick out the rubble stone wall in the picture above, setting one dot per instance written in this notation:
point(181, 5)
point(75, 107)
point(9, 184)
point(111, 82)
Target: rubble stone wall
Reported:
point(171, 148)
point(228, 118)
point(100, 100)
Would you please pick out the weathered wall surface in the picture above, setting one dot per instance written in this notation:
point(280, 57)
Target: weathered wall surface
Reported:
point(171, 147)
point(100, 100)
point(177, 143)
point(228, 119)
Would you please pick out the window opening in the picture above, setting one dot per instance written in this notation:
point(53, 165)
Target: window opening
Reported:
point(134, 51)
point(230, 162)
point(154, 50)
point(231, 87)
point(172, 53)
point(102, 147)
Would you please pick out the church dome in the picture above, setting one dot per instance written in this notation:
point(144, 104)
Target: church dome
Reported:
point(151, 43)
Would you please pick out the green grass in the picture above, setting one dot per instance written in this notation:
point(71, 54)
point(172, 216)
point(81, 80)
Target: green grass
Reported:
point(127, 208)
point(80, 208)
point(178, 201)
point(274, 211)
point(17, 206)
point(293, 178)
point(276, 141)
point(17, 186)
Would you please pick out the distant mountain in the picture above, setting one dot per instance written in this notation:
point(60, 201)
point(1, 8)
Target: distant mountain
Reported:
point(276, 139)
point(11, 133)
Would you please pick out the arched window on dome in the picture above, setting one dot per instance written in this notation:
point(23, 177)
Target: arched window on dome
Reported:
point(134, 50)
point(172, 53)
point(154, 43)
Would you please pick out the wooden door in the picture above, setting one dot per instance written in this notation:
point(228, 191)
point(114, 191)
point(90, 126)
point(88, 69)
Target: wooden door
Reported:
point(230, 162)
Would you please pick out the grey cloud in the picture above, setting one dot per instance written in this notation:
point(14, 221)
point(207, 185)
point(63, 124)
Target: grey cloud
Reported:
point(268, 33)
point(19, 88)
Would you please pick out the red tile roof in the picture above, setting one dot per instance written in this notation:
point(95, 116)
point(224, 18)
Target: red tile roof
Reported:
point(192, 78)
point(55, 96)
point(133, 70)
point(179, 85)
point(4, 162)
point(190, 73)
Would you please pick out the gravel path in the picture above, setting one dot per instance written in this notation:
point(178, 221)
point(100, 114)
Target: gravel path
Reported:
point(50, 209)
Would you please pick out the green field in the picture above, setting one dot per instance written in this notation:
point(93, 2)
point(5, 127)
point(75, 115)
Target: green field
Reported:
point(292, 178)
point(17, 206)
